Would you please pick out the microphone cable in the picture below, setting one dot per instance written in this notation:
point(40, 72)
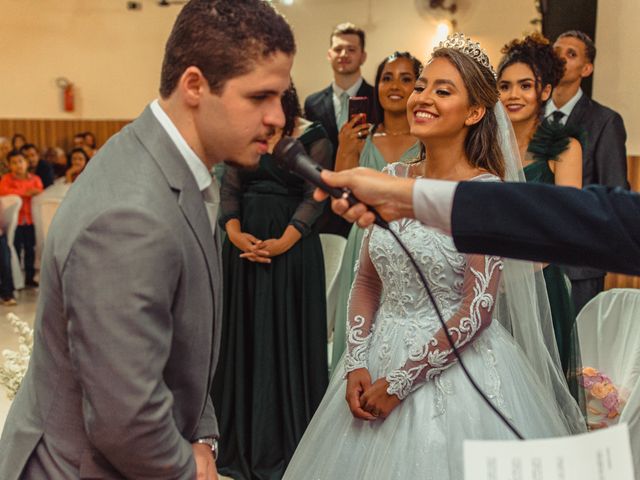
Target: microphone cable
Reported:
point(290, 154)
point(383, 224)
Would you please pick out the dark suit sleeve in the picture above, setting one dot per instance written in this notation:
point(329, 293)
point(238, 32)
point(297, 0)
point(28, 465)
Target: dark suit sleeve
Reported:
point(309, 112)
point(610, 154)
point(597, 227)
point(120, 336)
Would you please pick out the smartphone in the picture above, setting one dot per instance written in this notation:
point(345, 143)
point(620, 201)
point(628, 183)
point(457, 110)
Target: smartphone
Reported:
point(358, 105)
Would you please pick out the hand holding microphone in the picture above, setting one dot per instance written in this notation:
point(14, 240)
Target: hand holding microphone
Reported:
point(354, 190)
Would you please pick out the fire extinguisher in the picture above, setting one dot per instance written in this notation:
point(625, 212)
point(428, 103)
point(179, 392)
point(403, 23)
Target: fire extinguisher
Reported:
point(68, 101)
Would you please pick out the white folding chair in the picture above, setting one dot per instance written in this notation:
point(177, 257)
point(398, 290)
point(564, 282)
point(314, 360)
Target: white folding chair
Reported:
point(11, 205)
point(609, 333)
point(332, 249)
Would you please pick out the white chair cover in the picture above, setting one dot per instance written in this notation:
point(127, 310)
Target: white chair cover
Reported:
point(11, 205)
point(332, 249)
point(43, 207)
point(609, 333)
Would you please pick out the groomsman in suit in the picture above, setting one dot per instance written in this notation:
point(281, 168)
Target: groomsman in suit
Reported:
point(604, 156)
point(330, 106)
point(127, 329)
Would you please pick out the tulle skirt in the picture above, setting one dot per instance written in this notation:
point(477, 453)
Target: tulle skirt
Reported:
point(423, 437)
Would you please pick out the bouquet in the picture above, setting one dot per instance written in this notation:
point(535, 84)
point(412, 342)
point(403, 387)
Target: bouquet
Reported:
point(604, 400)
point(16, 362)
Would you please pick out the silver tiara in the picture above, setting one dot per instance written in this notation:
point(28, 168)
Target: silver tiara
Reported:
point(459, 42)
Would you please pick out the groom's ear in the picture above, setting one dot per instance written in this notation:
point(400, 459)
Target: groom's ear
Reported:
point(476, 113)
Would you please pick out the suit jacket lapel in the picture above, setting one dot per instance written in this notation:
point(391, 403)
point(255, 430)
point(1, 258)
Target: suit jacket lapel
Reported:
point(180, 179)
point(578, 112)
point(190, 200)
point(328, 111)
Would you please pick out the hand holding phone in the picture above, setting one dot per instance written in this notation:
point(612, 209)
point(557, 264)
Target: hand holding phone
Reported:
point(358, 106)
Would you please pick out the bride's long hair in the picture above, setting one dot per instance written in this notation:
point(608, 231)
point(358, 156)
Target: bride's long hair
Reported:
point(481, 144)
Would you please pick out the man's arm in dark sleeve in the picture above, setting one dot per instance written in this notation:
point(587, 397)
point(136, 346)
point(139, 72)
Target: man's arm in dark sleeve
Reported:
point(597, 227)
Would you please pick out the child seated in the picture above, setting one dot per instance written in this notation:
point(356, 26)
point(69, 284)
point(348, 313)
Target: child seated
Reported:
point(20, 182)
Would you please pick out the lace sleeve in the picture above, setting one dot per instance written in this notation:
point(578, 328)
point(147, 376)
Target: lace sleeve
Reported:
point(480, 285)
point(230, 195)
point(364, 300)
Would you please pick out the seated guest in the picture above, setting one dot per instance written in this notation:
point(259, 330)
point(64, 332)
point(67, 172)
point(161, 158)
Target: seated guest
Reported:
point(78, 159)
point(56, 157)
point(17, 141)
point(37, 165)
point(90, 143)
point(24, 184)
point(78, 140)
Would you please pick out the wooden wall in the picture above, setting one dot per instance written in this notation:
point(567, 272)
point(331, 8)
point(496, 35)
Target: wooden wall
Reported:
point(47, 133)
point(59, 133)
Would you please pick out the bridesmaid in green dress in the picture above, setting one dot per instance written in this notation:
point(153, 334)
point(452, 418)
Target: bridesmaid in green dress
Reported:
point(386, 142)
point(551, 153)
point(272, 370)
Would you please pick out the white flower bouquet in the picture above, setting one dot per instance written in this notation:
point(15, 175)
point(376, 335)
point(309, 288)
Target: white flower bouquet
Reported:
point(15, 364)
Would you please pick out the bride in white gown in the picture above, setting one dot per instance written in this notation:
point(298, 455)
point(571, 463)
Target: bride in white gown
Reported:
point(408, 405)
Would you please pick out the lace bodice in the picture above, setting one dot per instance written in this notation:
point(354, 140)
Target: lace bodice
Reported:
point(391, 316)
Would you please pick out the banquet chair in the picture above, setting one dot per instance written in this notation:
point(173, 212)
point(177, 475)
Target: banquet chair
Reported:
point(332, 248)
point(43, 208)
point(609, 334)
point(11, 205)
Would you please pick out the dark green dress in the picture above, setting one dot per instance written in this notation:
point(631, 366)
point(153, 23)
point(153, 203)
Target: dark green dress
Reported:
point(272, 371)
point(549, 141)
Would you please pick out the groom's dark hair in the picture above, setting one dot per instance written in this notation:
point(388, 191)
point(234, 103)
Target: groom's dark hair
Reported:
point(224, 39)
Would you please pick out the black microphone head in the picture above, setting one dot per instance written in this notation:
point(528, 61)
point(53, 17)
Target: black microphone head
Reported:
point(286, 151)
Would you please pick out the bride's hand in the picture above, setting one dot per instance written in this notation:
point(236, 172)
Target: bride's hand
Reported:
point(377, 401)
point(358, 382)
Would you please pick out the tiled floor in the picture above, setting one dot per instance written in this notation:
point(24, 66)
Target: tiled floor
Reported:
point(26, 310)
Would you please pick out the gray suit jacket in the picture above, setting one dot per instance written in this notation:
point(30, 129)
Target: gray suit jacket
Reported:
point(127, 327)
point(604, 157)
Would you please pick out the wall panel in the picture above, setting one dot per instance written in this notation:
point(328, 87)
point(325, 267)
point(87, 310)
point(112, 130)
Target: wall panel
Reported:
point(59, 133)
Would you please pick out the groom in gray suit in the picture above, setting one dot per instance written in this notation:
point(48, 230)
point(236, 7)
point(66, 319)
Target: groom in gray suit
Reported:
point(128, 321)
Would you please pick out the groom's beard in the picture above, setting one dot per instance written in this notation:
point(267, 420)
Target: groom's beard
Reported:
point(249, 168)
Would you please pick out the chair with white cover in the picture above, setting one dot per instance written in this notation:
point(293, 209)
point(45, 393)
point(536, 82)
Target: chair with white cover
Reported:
point(11, 205)
point(609, 333)
point(332, 248)
point(43, 208)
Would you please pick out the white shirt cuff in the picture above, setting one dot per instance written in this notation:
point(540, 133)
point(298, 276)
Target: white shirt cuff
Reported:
point(433, 201)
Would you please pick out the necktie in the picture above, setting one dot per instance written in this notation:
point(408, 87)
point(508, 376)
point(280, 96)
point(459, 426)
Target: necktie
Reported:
point(344, 109)
point(558, 116)
point(211, 197)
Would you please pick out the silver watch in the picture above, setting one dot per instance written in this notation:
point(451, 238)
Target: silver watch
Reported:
point(212, 442)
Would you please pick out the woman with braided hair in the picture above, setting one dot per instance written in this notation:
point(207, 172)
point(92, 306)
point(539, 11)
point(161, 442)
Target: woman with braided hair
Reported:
point(551, 153)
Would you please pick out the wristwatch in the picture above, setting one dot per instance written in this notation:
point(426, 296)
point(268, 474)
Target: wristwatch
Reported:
point(212, 442)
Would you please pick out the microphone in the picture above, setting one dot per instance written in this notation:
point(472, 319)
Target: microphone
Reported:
point(291, 155)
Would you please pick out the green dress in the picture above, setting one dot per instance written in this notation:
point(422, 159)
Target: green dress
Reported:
point(370, 157)
point(548, 142)
point(272, 370)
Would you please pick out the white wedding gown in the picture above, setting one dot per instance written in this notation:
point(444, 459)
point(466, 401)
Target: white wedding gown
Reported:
point(392, 332)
